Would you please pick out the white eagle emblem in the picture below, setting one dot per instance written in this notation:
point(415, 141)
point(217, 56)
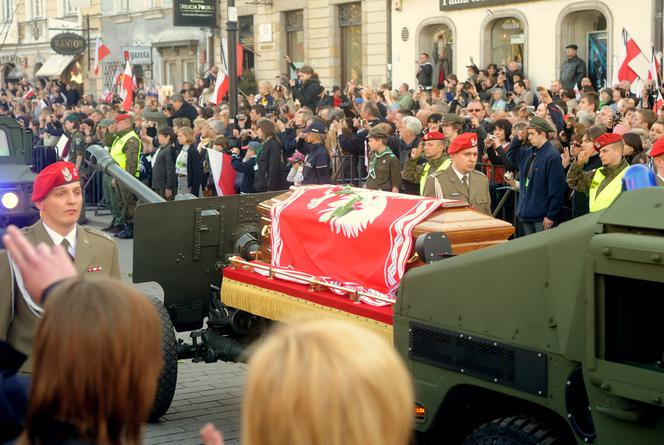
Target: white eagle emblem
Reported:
point(66, 174)
point(353, 211)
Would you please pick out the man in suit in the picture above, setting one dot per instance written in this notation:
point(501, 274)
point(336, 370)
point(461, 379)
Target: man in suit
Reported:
point(657, 155)
point(58, 195)
point(461, 181)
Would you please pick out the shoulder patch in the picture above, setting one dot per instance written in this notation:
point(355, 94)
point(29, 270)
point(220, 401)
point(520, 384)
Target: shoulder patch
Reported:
point(99, 234)
point(479, 173)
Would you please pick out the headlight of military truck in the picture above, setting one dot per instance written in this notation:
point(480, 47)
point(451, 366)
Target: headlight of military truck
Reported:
point(9, 200)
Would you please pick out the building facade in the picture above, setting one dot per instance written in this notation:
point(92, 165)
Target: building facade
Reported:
point(534, 33)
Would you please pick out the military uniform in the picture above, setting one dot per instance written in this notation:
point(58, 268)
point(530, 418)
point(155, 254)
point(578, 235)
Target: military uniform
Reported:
point(96, 255)
point(446, 184)
point(76, 146)
point(384, 172)
point(125, 151)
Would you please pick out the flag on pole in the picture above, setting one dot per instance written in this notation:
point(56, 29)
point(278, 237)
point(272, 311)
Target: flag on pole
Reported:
point(30, 94)
point(101, 53)
point(223, 172)
point(239, 56)
point(631, 52)
point(653, 74)
point(220, 88)
point(127, 93)
point(240, 59)
point(577, 92)
point(106, 96)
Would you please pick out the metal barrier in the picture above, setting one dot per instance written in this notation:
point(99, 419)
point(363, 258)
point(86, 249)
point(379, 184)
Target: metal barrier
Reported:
point(93, 192)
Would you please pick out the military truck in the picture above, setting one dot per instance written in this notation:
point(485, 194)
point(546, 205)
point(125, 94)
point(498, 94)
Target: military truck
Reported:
point(551, 339)
point(16, 177)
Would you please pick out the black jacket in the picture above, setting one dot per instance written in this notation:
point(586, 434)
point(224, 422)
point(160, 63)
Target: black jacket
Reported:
point(247, 170)
point(308, 93)
point(195, 174)
point(186, 110)
point(268, 175)
point(13, 393)
point(163, 173)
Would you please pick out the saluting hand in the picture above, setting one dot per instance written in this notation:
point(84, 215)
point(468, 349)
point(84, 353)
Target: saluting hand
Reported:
point(415, 153)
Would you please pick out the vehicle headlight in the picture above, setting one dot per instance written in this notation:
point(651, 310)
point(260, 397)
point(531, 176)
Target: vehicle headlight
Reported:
point(10, 200)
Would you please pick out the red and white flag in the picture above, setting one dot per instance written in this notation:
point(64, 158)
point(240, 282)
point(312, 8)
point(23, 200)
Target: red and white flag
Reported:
point(653, 74)
point(343, 222)
point(223, 172)
point(101, 53)
point(220, 88)
point(127, 92)
point(630, 52)
point(30, 94)
point(106, 96)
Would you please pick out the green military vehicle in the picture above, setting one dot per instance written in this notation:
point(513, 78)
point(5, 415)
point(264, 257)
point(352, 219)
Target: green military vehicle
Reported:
point(556, 338)
point(16, 178)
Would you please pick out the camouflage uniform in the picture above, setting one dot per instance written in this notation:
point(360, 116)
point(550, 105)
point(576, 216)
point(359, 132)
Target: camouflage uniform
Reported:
point(127, 202)
point(112, 194)
point(77, 148)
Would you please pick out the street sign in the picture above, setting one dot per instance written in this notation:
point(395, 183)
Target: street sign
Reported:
point(68, 44)
point(138, 55)
point(201, 13)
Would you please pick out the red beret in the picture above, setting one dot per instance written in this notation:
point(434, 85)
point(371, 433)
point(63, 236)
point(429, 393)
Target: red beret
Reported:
point(606, 139)
point(122, 117)
point(55, 175)
point(657, 148)
point(462, 142)
point(433, 136)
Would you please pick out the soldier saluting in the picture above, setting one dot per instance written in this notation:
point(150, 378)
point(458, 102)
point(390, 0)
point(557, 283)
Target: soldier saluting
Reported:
point(58, 195)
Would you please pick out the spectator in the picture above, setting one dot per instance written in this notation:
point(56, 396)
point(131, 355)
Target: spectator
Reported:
point(384, 171)
point(188, 165)
point(316, 168)
point(182, 108)
point(632, 148)
point(246, 166)
point(580, 200)
point(164, 178)
point(523, 95)
point(424, 72)
point(405, 99)
point(297, 165)
point(573, 69)
point(269, 163)
point(309, 89)
point(409, 139)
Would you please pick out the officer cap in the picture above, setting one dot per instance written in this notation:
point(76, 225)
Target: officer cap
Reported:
point(540, 124)
point(452, 118)
point(462, 142)
point(73, 118)
point(606, 139)
point(122, 117)
point(433, 136)
point(378, 132)
point(55, 175)
point(657, 148)
point(106, 122)
point(572, 46)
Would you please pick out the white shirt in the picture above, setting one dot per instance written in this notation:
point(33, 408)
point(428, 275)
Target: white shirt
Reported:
point(461, 175)
point(57, 238)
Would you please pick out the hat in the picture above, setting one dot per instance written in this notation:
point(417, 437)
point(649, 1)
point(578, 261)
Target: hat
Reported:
point(435, 118)
point(55, 175)
point(657, 148)
point(122, 117)
point(378, 132)
point(253, 145)
point(152, 93)
point(297, 157)
point(452, 118)
point(572, 46)
point(606, 139)
point(73, 118)
point(315, 127)
point(433, 136)
point(462, 142)
point(106, 122)
point(540, 124)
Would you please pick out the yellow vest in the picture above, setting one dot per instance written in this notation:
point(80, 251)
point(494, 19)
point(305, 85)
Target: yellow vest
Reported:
point(425, 173)
point(119, 156)
point(608, 194)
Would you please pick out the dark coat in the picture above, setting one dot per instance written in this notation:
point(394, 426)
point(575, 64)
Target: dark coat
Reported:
point(316, 165)
point(268, 176)
point(247, 168)
point(572, 71)
point(163, 172)
point(195, 173)
point(186, 110)
point(13, 393)
point(309, 93)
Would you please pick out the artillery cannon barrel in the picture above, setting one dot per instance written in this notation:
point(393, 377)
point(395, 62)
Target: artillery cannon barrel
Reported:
point(102, 161)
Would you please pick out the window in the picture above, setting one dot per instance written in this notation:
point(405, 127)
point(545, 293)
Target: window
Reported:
point(7, 10)
point(507, 41)
point(69, 7)
point(350, 24)
point(295, 37)
point(123, 5)
point(189, 71)
point(37, 8)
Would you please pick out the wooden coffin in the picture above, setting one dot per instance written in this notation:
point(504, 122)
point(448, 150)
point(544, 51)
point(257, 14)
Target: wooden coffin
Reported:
point(466, 228)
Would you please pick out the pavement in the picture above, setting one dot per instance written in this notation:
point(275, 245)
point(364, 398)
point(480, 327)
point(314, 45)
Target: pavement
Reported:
point(204, 393)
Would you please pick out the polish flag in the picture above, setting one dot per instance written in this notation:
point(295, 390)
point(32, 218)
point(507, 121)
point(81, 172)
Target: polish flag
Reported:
point(240, 59)
point(106, 96)
point(239, 56)
point(29, 94)
point(101, 53)
point(220, 88)
point(223, 172)
point(653, 74)
point(127, 93)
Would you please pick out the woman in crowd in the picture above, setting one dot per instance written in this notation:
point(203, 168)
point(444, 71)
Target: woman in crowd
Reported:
point(188, 165)
point(269, 162)
point(105, 398)
point(308, 92)
point(164, 179)
point(633, 149)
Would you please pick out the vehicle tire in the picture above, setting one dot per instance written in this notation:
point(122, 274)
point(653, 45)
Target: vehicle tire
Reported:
point(169, 372)
point(514, 430)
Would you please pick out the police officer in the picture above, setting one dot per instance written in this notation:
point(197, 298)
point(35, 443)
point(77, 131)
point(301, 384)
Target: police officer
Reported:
point(58, 195)
point(125, 151)
point(461, 181)
point(433, 144)
point(384, 170)
point(604, 184)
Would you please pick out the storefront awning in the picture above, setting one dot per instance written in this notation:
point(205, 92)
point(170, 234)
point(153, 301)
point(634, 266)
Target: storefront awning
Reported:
point(54, 65)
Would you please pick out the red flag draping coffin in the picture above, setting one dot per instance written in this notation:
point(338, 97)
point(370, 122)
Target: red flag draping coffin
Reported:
point(356, 237)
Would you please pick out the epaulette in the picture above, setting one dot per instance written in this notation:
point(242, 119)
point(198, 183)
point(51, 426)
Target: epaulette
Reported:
point(98, 234)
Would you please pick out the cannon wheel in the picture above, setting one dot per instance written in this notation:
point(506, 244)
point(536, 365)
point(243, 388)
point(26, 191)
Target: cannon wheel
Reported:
point(169, 371)
point(516, 430)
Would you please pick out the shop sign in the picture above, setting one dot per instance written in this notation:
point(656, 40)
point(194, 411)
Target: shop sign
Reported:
point(68, 44)
point(195, 13)
point(449, 5)
point(138, 55)
point(14, 60)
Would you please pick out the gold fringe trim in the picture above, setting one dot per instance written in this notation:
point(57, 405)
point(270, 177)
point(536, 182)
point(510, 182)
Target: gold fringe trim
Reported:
point(279, 306)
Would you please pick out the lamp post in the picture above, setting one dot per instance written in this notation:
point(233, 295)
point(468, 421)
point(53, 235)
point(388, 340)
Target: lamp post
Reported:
point(232, 27)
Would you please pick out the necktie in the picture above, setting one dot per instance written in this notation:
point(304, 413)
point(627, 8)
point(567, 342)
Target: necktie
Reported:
point(67, 246)
point(464, 181)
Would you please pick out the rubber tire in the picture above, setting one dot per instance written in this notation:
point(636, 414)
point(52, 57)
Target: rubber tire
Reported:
point(169, 371)
point(514, 430)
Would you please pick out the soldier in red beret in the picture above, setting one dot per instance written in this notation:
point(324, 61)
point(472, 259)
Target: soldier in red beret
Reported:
point(58, 195)
point(433, 146)
point(604, 184)
point(461, 181)
point(657, 155)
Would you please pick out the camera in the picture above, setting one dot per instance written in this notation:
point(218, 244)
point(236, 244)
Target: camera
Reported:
point(615, 119)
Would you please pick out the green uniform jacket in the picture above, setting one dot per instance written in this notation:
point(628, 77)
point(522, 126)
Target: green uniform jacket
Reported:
point(157, 116)
point(76, 146)
point(581, 181)
point(96, 255)
point(413, 172)
point(386, 172)
point(451, 187)
point(131, 150)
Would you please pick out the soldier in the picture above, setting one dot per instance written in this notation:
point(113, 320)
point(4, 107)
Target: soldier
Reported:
point(462, 182)
point(76, 151)
point(58, 195)
point(385, 170)
point(604, 184)
point(125, 150)
point(657, 155)
point(433, 144)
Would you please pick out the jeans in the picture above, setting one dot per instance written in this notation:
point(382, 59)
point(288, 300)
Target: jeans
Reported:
point(530, 227)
